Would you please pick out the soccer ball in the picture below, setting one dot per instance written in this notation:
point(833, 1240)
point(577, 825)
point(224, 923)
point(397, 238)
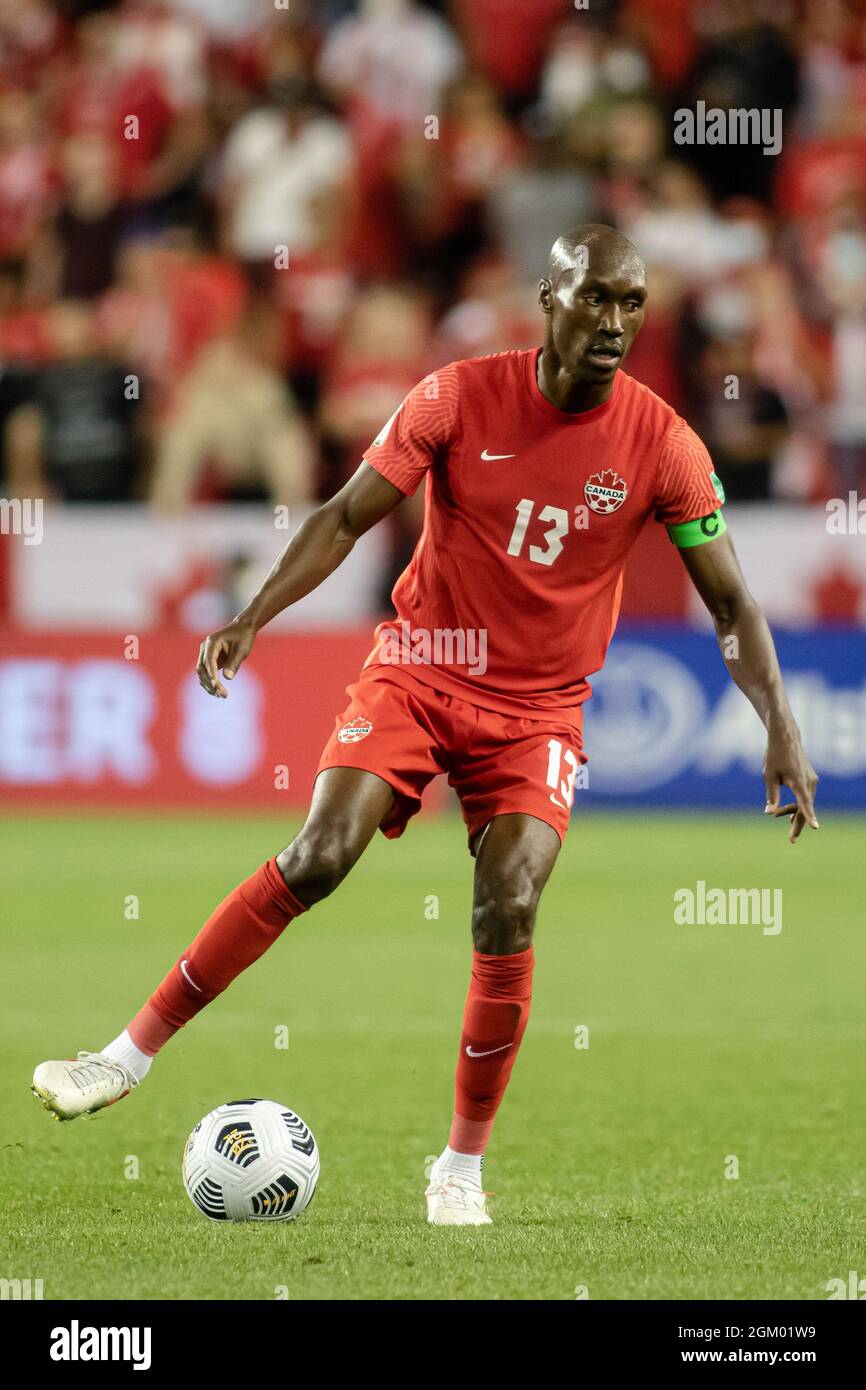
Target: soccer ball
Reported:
point(251, 1160)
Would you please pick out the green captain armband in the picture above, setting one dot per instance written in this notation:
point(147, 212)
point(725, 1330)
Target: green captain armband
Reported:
point(705, 528)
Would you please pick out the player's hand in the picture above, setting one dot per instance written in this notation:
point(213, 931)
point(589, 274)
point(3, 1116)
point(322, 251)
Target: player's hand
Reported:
point(786, 764)
point(224, 651)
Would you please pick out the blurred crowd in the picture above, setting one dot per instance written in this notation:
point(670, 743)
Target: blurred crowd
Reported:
point(234, 233)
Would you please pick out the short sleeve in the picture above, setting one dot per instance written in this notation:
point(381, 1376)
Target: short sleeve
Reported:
point(687, 487)
point(419, 429)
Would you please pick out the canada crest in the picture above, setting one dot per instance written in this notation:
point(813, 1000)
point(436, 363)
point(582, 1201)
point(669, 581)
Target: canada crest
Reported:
point(605, 491)
point(356, 730)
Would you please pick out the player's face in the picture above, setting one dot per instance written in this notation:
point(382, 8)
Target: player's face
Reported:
point(595, 316)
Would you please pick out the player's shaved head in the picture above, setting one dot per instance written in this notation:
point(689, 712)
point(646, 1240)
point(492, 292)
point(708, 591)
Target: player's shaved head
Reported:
point(593, 294)
point(589, 243)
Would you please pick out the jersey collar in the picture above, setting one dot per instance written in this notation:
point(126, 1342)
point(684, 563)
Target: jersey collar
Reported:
point(564, 417)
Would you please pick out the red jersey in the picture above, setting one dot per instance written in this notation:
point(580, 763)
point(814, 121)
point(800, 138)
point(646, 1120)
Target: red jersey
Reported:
point(512, 595)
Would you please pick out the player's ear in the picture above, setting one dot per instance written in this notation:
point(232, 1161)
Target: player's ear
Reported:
point(545, 296)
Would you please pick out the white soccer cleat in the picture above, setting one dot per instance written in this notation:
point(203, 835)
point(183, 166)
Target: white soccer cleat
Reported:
point(453, 1199)
point(82, 1085)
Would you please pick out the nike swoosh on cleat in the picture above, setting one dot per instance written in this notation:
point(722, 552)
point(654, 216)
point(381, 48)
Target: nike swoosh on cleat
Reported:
point(470, 1053)
point(488, 458)
point(188, 977)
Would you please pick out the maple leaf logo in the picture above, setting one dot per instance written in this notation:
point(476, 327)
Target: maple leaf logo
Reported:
point(610, 479)
point(357, 729)
point(605, 491)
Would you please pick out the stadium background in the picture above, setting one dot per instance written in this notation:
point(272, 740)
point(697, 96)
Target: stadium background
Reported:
point(232, 236)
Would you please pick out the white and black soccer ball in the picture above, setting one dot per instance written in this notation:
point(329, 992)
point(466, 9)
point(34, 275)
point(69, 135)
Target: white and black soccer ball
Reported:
point(251, 1160)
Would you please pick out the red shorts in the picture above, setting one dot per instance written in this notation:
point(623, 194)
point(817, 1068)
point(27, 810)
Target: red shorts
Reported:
point(497, 764)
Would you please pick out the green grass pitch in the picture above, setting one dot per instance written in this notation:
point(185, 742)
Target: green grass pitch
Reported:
point(706, 1044)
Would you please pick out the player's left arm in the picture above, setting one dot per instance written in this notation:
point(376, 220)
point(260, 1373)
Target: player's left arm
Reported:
point(746, 643)
point(688, 495)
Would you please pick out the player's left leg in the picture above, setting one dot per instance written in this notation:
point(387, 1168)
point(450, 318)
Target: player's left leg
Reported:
point(515, 854)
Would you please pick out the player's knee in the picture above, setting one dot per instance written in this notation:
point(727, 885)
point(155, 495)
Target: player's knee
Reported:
point(502, 924)
point(314, 865)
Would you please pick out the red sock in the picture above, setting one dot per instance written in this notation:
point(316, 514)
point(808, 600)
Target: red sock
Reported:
point(494, 1020)
point(241, 929)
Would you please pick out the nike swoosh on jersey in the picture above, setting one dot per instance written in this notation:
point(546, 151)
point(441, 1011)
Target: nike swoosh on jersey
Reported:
point(470, 1053)
point(488, 458)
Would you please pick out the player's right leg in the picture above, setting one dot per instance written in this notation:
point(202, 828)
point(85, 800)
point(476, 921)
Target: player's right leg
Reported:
point(347, 807)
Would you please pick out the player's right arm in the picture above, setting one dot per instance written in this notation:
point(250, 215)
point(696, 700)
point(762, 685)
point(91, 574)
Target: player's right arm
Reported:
point(399, 458)
point(315, 550)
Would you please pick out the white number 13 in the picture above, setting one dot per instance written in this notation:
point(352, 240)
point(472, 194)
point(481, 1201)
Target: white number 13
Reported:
point(565, 786)
point(553, 537)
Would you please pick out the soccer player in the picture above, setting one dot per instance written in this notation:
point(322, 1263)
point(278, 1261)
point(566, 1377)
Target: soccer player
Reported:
point(540, 468)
